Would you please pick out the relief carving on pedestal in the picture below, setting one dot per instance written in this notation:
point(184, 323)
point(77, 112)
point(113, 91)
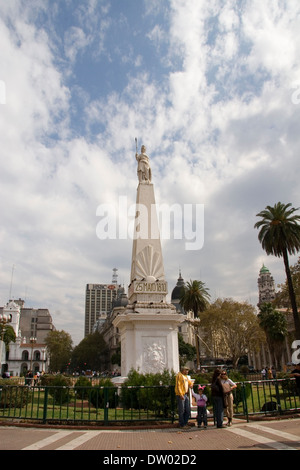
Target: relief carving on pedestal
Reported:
point(154, 355)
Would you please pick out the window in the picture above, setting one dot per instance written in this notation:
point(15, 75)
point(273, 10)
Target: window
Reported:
point(25, 356)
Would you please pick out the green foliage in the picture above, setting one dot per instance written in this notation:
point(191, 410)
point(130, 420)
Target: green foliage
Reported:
point(59, 344)
point(58, 387)
point(150, 392)
point(103, 393)
point(13, 396)
point(279, 229)
point(195, 297)
point(279, 235)
point(273, 322)
point(7, 333)
point(187, 352)
point(288, 386)
point(90, 353)
point(81, 388)
point(134, 378)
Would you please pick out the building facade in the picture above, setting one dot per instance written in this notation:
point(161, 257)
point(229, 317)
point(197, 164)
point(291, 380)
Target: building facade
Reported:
point(266, 286)
point(98, 303)
point(31, 326)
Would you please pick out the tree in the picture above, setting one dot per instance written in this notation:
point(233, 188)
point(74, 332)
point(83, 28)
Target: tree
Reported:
point(231, 329)
point(7, 335)
point(186, 351)
point(274, 324)
point(90, 352)
point(282, 299)
point(195, 297)
point(279, 235)
point(59, 345)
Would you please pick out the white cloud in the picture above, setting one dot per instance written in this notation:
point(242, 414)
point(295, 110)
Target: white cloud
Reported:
point(218, 121)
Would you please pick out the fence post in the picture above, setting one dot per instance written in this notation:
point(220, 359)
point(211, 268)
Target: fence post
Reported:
point(105, 404)
point(245, 406)
point(45, 405)
point(277, 396)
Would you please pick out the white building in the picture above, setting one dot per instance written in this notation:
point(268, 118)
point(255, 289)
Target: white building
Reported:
point(29, 351)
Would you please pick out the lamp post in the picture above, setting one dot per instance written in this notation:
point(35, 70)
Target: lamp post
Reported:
point(195, 322)
point(32, 341)
point(4, 319)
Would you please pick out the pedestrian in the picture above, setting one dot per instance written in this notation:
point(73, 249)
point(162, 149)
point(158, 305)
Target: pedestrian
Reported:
point(28, 378)
point(201, 400)
point(228, 386)
point(182, 386)
point(270, 375)
point(218, 398)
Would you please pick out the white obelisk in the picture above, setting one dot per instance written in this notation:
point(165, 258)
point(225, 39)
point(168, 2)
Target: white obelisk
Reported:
point(149, 326)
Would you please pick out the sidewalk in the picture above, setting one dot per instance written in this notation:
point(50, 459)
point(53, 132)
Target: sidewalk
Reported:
point(266, 435)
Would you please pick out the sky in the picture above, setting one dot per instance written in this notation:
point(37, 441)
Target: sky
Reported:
point(212, 89)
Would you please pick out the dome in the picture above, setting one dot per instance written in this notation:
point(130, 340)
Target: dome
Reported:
point(264, 270)
point(177, 291)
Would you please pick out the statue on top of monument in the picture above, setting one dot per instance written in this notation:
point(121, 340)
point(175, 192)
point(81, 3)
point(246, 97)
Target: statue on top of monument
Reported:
point(143, 170)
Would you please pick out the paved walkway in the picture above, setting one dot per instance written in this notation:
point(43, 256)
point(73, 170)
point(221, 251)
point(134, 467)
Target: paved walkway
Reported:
point(267, 435)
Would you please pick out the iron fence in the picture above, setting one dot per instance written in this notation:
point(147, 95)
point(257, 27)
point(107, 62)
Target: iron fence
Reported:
point(128, 404)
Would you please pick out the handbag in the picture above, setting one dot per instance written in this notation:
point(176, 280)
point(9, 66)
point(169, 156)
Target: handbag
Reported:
point(226, 388)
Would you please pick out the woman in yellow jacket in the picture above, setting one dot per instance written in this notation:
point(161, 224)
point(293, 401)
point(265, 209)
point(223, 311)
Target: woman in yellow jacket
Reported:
point(182, 386)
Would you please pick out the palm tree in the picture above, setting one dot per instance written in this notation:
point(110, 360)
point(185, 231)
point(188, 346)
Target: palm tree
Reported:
point(280, 235)
point(195, 297)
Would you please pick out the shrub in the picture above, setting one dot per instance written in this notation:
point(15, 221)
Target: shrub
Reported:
point(14, 396)
point(102, 393)
point(149, 391)
point(59, 388)
point(82, 387)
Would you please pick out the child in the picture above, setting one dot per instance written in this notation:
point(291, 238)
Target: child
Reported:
point(201, 404)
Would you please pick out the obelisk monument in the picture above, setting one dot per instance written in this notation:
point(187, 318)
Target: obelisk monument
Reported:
point(148, 327)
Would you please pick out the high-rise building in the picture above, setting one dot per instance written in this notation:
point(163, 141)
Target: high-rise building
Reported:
point(98, 303)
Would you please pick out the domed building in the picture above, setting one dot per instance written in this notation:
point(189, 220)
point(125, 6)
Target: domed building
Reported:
point(266, 286)
point(185, 328)
point(176, 294)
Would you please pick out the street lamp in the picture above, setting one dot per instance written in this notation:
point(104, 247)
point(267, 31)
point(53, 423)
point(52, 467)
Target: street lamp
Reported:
point(195, 322)
point(4, 319)
point(32, 341)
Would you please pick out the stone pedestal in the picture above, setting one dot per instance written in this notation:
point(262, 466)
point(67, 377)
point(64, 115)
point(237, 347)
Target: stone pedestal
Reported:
point(149, 340)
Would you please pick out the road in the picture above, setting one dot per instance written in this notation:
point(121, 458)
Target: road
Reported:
point(259, 435)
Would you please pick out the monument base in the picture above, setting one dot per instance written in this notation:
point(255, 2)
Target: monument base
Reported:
point(149, 340)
